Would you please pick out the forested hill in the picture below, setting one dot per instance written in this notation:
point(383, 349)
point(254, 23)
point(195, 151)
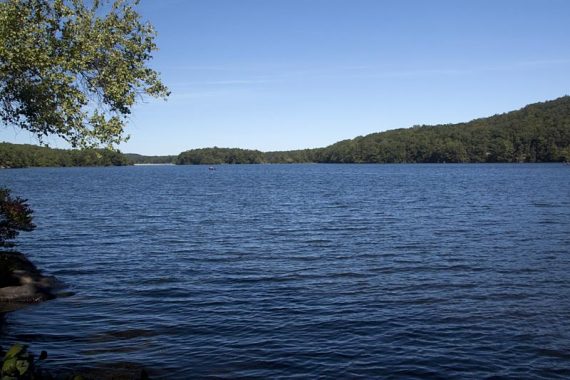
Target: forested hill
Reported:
point(23, 155)
point(539, 132)
point(536, 133)
point(153, 160)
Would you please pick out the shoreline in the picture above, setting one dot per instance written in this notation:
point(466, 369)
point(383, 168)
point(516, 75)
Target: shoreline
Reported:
point(22, 283)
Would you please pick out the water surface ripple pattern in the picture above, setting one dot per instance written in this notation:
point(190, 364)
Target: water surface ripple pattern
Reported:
point(308, 271)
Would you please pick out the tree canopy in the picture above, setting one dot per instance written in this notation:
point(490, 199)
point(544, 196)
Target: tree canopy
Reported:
point(74, 68)
point(23, 156)
point(536, 133)
point(539, 132)
point(15, 216)
point(217, 155)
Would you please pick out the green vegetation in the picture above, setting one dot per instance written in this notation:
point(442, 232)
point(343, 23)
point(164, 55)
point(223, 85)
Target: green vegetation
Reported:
point(22, 156)
point(220, 156)
point(140, 159)
point(294, 156)
point(15, 216)
point(18, 363)
point(216, 156)
point(74, 70)
point(537, 133)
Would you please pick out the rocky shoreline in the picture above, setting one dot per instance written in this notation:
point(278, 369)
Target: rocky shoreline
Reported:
point(21, 282)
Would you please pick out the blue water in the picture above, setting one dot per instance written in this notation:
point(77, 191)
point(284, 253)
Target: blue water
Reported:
point(306, 271)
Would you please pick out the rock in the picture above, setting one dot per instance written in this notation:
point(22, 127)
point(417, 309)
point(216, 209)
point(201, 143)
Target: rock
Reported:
point(22, 293)
point(21, 282)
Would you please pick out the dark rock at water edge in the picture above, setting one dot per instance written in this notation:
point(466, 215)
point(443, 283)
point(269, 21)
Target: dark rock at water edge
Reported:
point(21, 282)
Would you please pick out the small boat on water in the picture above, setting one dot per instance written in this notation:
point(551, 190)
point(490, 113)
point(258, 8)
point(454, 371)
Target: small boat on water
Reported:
point(211, 168)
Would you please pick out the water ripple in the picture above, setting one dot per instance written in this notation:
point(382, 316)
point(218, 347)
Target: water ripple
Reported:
point(302, 271)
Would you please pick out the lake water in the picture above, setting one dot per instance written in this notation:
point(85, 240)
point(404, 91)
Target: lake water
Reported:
point(306, 271)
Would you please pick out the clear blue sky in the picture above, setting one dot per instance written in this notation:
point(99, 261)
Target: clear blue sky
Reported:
point(289, 74)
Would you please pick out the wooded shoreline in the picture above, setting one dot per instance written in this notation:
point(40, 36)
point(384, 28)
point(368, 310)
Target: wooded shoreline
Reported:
point(539, 132)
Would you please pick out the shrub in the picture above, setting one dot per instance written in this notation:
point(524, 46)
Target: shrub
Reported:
point(19, 364)
point(15, 216)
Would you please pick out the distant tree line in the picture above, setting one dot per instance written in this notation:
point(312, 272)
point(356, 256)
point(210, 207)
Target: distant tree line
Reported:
point(537, 133)
point(220, 156)
point(22, 156)
point(140, 159)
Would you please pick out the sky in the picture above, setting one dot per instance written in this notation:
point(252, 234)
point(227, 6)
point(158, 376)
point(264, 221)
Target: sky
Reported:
point(292, 74)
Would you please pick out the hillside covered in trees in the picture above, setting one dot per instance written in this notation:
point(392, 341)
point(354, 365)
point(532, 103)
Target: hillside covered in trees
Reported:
point(539, 132)
point(220, 156)
point(150, 160)
point(23, 155)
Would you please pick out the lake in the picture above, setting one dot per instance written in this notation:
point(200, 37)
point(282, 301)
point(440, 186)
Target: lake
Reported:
point(306, 271)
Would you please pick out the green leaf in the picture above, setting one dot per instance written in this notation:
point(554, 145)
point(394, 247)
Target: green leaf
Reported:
point(72, 70)
point(9, 367)
point(16, 350)
point(22, 366)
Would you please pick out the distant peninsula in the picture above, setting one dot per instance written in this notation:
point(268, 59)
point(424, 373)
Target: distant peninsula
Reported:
point(539, 132)
point(27, 155)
